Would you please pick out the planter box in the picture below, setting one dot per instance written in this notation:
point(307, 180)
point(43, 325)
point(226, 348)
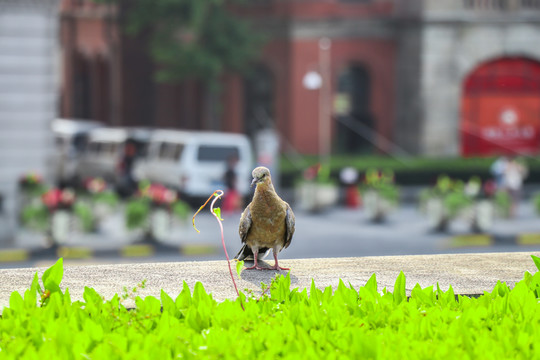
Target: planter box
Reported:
point(437, 214)
point(376, 207)
point(316, 197)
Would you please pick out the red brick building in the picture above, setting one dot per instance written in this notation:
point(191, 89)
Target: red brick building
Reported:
point(107, 76)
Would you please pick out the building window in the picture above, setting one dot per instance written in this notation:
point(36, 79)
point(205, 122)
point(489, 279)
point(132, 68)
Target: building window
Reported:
point(355, 122)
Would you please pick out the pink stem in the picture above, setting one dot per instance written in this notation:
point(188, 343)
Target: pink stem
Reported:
point(218, 194)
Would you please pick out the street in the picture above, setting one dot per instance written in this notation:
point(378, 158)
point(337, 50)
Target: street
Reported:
point(338, 232)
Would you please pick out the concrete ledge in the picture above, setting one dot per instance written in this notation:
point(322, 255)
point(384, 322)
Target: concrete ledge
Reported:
point(469, 274)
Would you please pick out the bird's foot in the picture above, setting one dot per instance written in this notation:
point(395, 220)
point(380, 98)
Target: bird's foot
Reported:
point(276, 267)
point(256, 267)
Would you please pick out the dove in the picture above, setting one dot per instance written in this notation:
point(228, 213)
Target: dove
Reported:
point(267, 223)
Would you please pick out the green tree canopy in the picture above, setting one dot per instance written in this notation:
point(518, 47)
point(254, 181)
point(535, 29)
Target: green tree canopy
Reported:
point(191, 38)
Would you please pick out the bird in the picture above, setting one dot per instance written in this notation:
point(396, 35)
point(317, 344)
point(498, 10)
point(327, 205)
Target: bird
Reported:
point(267, 223)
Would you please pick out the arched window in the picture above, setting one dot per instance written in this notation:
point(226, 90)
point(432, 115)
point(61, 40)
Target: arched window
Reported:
point(258, 99)
point(500, 110)
point(355, 123)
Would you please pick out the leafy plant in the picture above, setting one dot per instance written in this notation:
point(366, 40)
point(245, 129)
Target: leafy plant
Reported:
point(85, 215)
point(450, 192)
point(35, 217)
point(136, 213)
point(503, 202)
point(381, 182)
point(153, 196)
point(309, 323)
point(536, 202)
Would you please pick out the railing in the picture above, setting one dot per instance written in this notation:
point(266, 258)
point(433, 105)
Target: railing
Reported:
point(502, 5)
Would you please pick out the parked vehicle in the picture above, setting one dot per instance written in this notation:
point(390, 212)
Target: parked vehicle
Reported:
point(70, 138)
point(112, 154)
point(194, 162)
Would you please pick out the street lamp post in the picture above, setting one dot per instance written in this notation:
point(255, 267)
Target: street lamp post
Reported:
point(320, 80)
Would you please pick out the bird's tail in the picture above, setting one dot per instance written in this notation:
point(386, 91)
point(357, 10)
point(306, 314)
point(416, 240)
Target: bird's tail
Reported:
point(246, 253)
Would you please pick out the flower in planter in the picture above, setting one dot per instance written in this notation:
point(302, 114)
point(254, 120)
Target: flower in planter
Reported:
point(58, 199)
point(95, 185)
point(99, 194)
point(31, 184)
point(150, 198)
point(379, 193)
point(382, 183)
point(159, 195)
point(30, 180)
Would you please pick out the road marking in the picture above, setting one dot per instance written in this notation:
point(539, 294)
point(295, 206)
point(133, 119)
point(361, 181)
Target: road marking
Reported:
point(528, 239)
point(137, 250)
point(74, 252)
point(14, 255)
point(471, 240)
point(197, 249)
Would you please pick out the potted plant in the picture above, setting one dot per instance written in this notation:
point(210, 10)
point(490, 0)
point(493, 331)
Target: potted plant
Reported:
point(379, 193)
point(443, 202)
point(59, 214)
point(30, 189)
point(153, 209)
point(100, 199)
point(316, 191)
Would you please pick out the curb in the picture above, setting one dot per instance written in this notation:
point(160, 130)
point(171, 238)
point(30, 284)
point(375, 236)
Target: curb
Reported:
point(484, 240)
point(84, 252)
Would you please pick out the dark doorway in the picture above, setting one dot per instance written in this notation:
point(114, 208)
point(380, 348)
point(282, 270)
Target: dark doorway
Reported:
point(355, 125)
point(82, 89)
point(258, 100)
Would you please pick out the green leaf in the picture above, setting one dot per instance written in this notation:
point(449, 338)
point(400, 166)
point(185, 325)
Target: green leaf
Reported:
point(183, 300)
point(239, 267)
point(16, 301)
point(93, 330)
point(52, 277)
point(217, 211)
point(168, 303)
point(536, 260)
point(399, 289)
point(371, 284)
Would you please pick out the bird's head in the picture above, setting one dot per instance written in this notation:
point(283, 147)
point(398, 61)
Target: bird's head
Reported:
point(261, 175)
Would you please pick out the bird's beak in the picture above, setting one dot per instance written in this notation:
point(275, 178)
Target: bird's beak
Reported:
point(254, 181)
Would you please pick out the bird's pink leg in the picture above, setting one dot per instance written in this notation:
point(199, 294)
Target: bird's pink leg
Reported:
point(276, 265)
point(255, 256)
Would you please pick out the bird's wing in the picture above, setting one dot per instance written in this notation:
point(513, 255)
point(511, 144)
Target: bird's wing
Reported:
point(290, 222)
point(245, 223)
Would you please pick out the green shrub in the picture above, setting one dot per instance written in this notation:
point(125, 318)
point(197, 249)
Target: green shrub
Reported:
point(536, 202)
point(345, 323)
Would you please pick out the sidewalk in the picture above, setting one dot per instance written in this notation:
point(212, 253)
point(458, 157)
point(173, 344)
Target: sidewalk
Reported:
point(468, 274)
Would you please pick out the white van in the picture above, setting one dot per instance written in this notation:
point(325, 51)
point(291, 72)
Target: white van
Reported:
point(105, 152)
point(194, 162)
point(70, 140)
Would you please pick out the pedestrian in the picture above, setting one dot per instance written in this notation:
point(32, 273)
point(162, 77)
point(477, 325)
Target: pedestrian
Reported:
point(514, 174)
point(232, 200)
point(127, 184)
point(498, 169)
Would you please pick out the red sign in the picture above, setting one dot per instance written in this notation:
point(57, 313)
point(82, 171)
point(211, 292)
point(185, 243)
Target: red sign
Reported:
point(500, 115)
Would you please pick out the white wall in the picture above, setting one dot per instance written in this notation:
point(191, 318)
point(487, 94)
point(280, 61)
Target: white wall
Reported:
point(28, 93)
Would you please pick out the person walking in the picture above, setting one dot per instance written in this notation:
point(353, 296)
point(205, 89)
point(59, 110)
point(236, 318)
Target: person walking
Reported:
point(514, 174)
point(232, 200)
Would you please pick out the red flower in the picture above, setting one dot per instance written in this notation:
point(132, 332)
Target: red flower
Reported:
point(56, 197)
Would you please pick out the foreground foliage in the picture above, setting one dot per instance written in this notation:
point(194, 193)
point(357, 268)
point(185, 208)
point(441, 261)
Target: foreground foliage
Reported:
point(345, 323)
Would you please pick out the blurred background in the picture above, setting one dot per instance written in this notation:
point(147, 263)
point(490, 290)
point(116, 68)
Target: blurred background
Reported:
point(391, 126)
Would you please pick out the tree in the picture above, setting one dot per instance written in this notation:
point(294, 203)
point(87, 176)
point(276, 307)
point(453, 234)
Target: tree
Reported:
point(191, 38)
